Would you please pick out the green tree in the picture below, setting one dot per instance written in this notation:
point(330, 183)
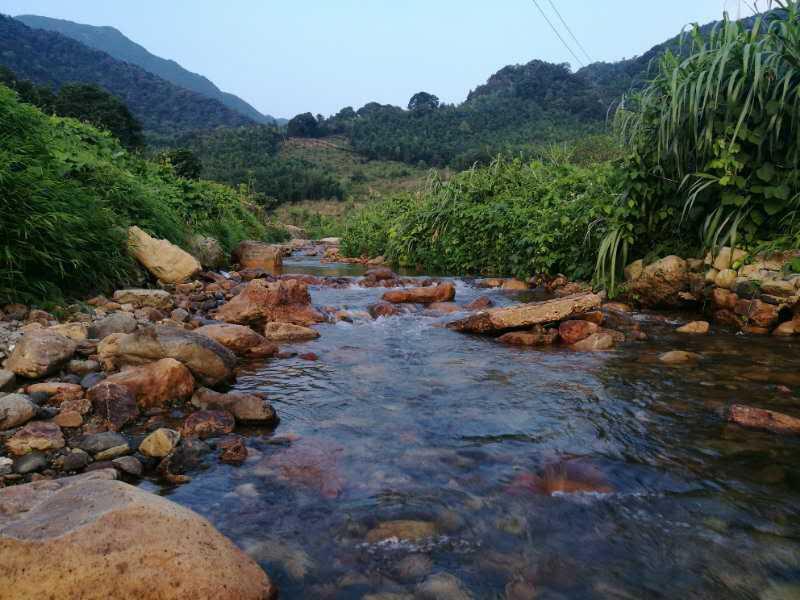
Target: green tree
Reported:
point(423, 102)
point(94, 105)
point(184, 162)
point(304, 125)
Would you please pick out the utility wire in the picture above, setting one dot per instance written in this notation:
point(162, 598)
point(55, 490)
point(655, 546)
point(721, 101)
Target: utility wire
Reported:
point(563, 41)
point(564, 23)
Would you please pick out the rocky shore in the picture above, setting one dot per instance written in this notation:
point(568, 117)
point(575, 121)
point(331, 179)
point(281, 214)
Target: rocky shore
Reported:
point(134, 386)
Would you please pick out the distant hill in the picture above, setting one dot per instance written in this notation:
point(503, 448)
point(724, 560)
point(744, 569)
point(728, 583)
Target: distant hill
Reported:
point(113, 42)
point(50, 58)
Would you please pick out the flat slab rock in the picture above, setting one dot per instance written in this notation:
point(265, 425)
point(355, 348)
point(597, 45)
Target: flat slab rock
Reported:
point(527, 315)
point(90, 536)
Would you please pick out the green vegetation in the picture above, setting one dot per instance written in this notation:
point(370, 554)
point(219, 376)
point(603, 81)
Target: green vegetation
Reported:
point(47, 58)
point(715, 142)
point(67, 193)
point(508, 218)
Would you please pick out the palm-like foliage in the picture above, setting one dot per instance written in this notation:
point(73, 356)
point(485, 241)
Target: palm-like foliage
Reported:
point(716, 137)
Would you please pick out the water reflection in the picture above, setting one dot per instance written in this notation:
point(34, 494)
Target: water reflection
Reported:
point(531, 473)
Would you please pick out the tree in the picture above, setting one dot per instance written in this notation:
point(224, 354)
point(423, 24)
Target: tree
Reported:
point(92, 104)
point(303, 125)
point(184, 162)
point(423, 102)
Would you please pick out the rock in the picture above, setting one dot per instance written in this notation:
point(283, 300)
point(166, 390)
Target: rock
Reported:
point(94, 443)
point(617, 307)
point(444, 308)
point(758, 418)
point(6, 465)
point(536, 337)
point(411, 531)
point(81, 368)
point(594, 343)
point(725, 279)
point(443, 292)
point(7, 380)
point(250, 254)
point(679, 357)
point(442, 586)
point(514, 285)
point(309, 356)
point(179, 315)
point(73, 460)
point(694, 327)
point(239, 339)
point(778, 287)
point(574, 331)
point(757, 312)
point(40, 353)
point(119, 322)
point(285, 301)
point(38, 435)
point(726, 258)
point(413, 567)
point(30, 463)
point(129, 465)
point(115, 404)
point(723, 299)
point(57, 392)
point(480, 303)
point(208, 423)
point(77, 332)
point(112, 453)
point(232, 450)
point(15, 312)
point(141, 298)
point(160, 443)
point(15, 410)
point(661, 282)
point(164, 260)
point(527, 315)
point(634, 270)
point(286, 332)
point(210, 362)
point(91, 537)
point(383, 309)
point(245, 408)
point(785, 329)
point(156, 384)
point(207, 251)
point(68, 419)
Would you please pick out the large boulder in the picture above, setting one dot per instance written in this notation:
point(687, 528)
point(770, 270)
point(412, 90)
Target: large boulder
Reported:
point(39, 353)
point(522, 316)
point(239, 339)
point(285, 301)
point(444, 292)
point(250, 254)
point(155, 384)
point(91, 537)
point(662, 282)
point(207, 251)
point(210, 362)
point(164, 260)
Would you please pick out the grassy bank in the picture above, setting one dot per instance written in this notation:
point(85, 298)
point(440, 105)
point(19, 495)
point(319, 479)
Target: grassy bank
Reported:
point(69, 191)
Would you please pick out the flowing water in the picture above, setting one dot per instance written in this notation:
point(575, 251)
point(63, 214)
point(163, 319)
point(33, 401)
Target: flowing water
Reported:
point(525, 472)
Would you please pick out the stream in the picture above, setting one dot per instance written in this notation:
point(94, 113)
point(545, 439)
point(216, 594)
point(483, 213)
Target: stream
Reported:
point(520, 472)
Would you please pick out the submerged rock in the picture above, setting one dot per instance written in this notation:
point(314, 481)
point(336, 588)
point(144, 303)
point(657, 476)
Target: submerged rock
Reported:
point(526, 315)
point(383, 309)
point(759, 418)
point(208, 423)
point(91, 537)
point(442, 586)
point(694, 327)
point(679, 357)
point(410, 531)
point(443, 292)
point(535, 337)
point(246, 408)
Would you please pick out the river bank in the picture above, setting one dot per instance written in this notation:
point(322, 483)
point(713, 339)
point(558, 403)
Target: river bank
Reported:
point(414, 460)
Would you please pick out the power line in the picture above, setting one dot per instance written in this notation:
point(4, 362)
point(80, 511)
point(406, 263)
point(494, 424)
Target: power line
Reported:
point(564, 23)
point(563, 41)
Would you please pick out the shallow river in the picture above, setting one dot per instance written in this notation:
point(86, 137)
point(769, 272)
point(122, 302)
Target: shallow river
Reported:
point(567, 475)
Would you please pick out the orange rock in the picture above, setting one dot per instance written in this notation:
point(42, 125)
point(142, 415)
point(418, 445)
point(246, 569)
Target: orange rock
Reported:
point(239, 339)
point(541, 337)
point(759, 418)
point(208, 423)
point(157, 383)
point(282, 301)
point(574, 331)
point(444, 292)
point(58, 392)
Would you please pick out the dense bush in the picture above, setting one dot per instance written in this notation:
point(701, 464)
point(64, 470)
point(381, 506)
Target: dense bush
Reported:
point(68, 192)
point(510, 218)
point(715, 143)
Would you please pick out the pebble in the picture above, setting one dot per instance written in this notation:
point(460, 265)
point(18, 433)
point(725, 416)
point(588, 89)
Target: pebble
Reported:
point(30, 463)
point(129, 464)
point(95, 443)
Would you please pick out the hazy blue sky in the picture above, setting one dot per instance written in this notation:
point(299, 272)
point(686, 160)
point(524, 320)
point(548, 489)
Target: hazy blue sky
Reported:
point(320, 55)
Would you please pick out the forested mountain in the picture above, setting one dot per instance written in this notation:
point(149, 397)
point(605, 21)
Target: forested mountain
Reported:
point(49, 58)
point(113, 42)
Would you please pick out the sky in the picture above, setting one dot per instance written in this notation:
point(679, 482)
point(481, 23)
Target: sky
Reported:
point(295, 56)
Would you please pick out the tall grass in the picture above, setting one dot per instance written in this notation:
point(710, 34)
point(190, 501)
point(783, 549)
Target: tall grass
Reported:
point(715, 140)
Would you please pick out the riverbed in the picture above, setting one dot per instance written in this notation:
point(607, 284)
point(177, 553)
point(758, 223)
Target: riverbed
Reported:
point(511, 472)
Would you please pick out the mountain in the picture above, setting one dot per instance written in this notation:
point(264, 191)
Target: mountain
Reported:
point(114, 43)
point(49, 58)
